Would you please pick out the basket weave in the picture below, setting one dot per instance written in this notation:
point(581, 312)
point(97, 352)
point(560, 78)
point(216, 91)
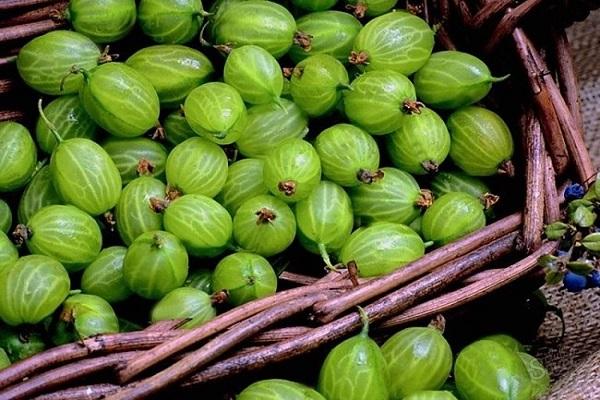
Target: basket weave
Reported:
point(530, 40)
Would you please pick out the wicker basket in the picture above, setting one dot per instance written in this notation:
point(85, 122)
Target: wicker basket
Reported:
point(529, 41)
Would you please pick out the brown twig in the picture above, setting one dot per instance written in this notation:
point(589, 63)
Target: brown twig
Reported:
point(28, 30)
point(88, 392)
point(326, 311)
point(573, 138)
point(567, 76)
point(278, 335)
point(383, 308)
point(471, 292)
point(213, 349)
point(480, 275)
point(34, 15)
point(12, 115)
point(62, 375)
point(14, 4)
point(533, 220)
point(552, 201)
point(509, 22)
point(487, 12)
point(8, 85)
point(222, 322)
point(555, 142)
point(298, 279)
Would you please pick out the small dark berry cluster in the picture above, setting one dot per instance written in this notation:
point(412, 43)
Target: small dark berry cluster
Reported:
point(577, 262)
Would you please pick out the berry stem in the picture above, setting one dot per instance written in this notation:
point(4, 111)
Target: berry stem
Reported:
point(48, 123)
point(500, 78)
point(364, 318)
point(325, 257)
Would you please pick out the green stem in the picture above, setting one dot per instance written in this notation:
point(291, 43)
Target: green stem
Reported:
point(48, 123)
point(428, 244)
point(325, 257)
point(499, 79)
point(365, 321)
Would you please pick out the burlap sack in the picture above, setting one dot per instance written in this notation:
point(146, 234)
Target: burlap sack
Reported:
point(574, 362)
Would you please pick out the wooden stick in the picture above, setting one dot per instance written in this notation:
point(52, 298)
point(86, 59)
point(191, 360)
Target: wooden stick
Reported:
point(14, 4)
point(555, 143)
point(488, 12)
point(509, 22)
point(533, 221)
point(28, 30)
point(573, 138)
point(12, 115)
point(60, 376)
point(298, 279)
point(475, 290)
point(8, 60)
point(8, 85)
point(222, 322)
point(88, 392)
point(567, 76)
point(552, 201)
point(278, 335)
point(381, 309)
point(327, 311)
point(34, 15)
point(213, 349)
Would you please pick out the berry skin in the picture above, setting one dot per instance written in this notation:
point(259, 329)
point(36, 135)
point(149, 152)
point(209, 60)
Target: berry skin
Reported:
point(574, 192)
point(574, 283)
point(593, 279)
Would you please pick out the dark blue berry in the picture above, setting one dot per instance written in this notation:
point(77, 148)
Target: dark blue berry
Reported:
point(574, 192)
point(574, 282)
point(562, 253)
point(594, 279)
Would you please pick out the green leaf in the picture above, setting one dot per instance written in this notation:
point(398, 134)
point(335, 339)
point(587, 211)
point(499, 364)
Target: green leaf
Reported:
point(548, 261)
point(592, 242)
point(554, 277)
point(556, 230)
point(596, 187)
point(583, 217)
point(581, 266)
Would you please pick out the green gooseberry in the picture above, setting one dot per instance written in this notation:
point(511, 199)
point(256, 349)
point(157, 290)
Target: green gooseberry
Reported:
point(155, 263)
point(184, 303)
point(324, 220)
point(201, 279)
point(431, 395)
point(119, 99)
point(104, 276)
point(44, 62)
point(540, 378)
point(135, 157)
point(4, 360)
point(421, 144)
point(171, 21)
point(18, 156)
point(456, 181)
point(82, 316)
point(418, 358)
point(203, 225)
point(453, 79)
point(245, 277)
point(197, 166)
point(355, 369)
point(216, 112)
point(397, 41)
point(21, 342)
point(377, 101)
point(278, 389)
point(317, 83)
point(173, 70)
point(254, 73)
point(269, 125)
point(349, 155)
point(415, 225)
point(69, 118)
point(370, 8)
point(325, 32)
point(451, 217)
point(392, 196)
point(31, 289)
point(506, 340)
point(244, 181)
point(264, 225)
point(64, 233)
point(38, 194)
point(8, 252)
point(381, 248)
point(314, 5)
point(482, 144)
point(258, 22)
point(488, 370)
point(103, 21)
point(292, 170)
point(176, 128)
point(6, 218)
